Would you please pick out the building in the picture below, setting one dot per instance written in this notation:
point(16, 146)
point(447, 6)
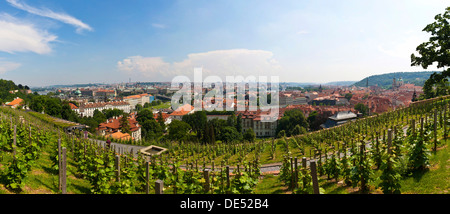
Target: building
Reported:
point(111, 128)
point(339, 119)
point(15, 103)
point(105, 93)
point(165, 116)
point(87, 92)
point(300, 101)
point(181, 111)
point(141, 99)
point(285, 99)
point(262, 122)
point(87, 110)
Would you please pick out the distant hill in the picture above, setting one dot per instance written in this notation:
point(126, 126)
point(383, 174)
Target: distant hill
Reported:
point(340, 83)
point(385, 80)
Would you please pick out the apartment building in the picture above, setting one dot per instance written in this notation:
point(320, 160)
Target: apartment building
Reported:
point(87, 110)
point(133, 100)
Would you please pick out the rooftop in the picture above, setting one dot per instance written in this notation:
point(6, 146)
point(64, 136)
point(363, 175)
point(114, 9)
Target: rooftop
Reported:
point(343, 115)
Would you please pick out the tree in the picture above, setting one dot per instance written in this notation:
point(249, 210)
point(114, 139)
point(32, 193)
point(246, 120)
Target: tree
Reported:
point(209, 136)
point(113, 112)
point(161, 121)
point(138, 107)
point(239, 123)
point(290, 119)
point(99, 116)
point(231, 120)
point(197, 121)
point(67, 113)
point(125, 124)
point(363, 109)
point(230, 134)
point(249, 135)
point(144, 115)
point(348, 96)
point(53, 107)
point(178, 130)
point(151, 129)
point(435, 51)
point(37, 103)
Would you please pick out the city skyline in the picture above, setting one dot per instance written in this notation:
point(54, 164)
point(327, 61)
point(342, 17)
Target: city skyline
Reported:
point(76, 42)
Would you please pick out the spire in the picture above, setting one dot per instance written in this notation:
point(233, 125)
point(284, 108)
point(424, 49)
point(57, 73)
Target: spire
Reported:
point(414, 97)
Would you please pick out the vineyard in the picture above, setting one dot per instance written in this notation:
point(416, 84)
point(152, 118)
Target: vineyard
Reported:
point(371, 154)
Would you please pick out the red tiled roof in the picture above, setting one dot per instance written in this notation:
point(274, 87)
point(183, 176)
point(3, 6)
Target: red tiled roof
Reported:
point(182, 110)
point(164, 116)
point(136, 96)
point(15, 102)
point(73, 106)
point(113, 124)
point(120, 135)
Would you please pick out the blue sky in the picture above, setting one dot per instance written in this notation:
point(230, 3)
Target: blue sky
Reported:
point(80, 41)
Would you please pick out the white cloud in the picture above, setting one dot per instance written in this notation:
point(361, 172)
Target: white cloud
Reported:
point(220, 63)
point(6, 66)
point(16, 36)
point(80, 26)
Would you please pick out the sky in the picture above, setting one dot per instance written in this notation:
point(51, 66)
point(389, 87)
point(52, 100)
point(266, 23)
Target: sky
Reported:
point(53, 42)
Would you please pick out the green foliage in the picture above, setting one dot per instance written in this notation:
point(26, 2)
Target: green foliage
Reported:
point(390, 177)
point(178, 130)
point(290, 119)
point(16, 172)
point(230, 134)
point(418, 153)
point(298, 130)
point(332, 167)
point(99, 172)
point(435, 51)
point(363, 109)
point(385, 80)
point(361, 172)
point(249, 135)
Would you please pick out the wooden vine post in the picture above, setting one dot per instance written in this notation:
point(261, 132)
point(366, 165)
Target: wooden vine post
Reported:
point(117, 168)
point(159, 186)
point(14, 141)
point(206, 176)
point(59, 165)
point(147, 177)
point(227, 172)
point(435, 129)
point(445, 121)
point(389, 143)
point(64, 171)
point(314, 177)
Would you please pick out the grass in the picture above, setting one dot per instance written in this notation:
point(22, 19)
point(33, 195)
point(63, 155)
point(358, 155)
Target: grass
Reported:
point(270, 184)
point(50, 119)
point(434, 180)
point(162, 105)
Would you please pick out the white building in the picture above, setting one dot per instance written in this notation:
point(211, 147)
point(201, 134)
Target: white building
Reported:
point(87, 110)
point(263, 123)
point(133, 100)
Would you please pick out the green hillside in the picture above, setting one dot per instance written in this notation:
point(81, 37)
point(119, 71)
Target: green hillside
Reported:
point(385, 80)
